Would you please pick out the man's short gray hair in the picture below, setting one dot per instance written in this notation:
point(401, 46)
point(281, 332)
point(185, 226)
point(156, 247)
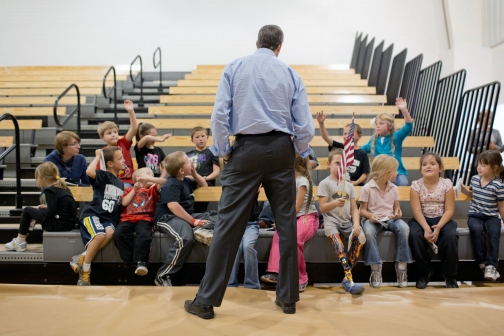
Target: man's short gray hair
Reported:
point(270, 37)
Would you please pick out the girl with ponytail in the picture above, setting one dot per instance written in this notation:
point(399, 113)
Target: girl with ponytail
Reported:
point(307, 224)
point(387, 140)
point(59, 213)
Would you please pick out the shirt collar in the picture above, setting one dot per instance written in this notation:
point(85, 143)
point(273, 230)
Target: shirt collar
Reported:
point(373, 184)
point(265, 51)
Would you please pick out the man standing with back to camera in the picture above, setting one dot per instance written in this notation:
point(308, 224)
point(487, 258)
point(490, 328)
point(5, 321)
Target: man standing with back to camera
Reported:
point(263, 102)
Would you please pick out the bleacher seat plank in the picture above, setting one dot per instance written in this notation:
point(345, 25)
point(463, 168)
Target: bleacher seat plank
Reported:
point(60, 85)
point(24, 125)
point(32, 111)
point(47, 92)
point(298, 67)
point(6, 141)
point(55, 67)
point(304, 76)
point(81, 78)
point(307, 83)
point(40, 101)
point(333, 99)
point(91, 72)
point(410, 163)
point(328, 110)
point(186, 90)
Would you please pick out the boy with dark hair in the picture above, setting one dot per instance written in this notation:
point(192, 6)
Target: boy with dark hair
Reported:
point(99, 217)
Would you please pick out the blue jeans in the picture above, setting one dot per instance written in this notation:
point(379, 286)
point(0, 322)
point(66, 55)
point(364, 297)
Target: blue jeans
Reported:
point(371, 252)
point(477, 228)
point(401, 180)
point(247, 249)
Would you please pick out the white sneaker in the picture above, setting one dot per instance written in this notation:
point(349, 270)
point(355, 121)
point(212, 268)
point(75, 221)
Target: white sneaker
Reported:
point(402, 276)
point(15, 246)
point(491, 273)
point(375, 279)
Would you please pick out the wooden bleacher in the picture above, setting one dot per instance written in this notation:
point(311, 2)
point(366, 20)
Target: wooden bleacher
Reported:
point(333, 99)
point(46, 92)
point(187, 90)
point(6, 141)
point(307, 83)
point(24, 125)
point(305, 76)
point(61, 85)
point(80, 78)
point(17, 101)
point(32, 111)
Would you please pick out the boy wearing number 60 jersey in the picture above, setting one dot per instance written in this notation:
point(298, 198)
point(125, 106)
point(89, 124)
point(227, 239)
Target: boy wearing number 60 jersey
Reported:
point(99, 216)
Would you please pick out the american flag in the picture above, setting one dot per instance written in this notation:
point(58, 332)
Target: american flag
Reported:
point(347, 158)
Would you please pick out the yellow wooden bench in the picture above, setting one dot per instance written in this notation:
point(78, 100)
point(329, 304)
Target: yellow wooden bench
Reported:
point(307, 83)
point(185, 90)
point(304, 76)
point(321, 99)
point(370, 110)
point(330, 69)
point(46, 78)
point(213, 194)
point(24, 125)
point(6, 141)
point(47, 92)
point(40, 101)
point(32, 111)
point(59, 85)
point(54, 67)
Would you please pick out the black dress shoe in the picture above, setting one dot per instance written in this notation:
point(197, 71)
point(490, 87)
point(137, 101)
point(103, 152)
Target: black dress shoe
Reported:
point(423, 280)
point(201, 310)
point(288, 308)
point(450, 281)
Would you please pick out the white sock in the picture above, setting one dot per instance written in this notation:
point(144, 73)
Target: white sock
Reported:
point(86, 267)
point(20, 240)
point(83, 253)
point(403, 265)
point(374, 267)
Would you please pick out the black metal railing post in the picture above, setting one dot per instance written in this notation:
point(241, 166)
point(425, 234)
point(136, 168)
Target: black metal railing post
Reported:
point(19, 198)
point(141, 102)
point(160, 88)
point(115, 91)
point(77, 109)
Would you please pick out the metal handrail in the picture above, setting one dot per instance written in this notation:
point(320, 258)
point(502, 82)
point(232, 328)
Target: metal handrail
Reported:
point(77, 109)
point(19, 198)
point(160, 88)
point(115, 91)
point(141, 102)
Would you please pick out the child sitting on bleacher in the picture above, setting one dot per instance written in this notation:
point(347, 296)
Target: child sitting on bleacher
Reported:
point(71, 165)
point(207, 164)
point(359, 170)
point(387, 141)
point(487, 192)
point(99, 217)
point(379, 205)
point(341, 217)
point(109, 132)
point(175, 215)
point(307, 224)
point(147, 155)
point(137, 216)
point(58, 214)
point(432, 200)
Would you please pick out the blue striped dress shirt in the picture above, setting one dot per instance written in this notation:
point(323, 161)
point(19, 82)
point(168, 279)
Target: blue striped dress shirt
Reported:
point(258, 94)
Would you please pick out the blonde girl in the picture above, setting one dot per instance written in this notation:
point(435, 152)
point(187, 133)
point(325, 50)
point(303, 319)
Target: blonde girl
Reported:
point(307, 225)
point(387, 140)
point(432, 200)
point(379, 205)
point(147, 155)
point(58, 214)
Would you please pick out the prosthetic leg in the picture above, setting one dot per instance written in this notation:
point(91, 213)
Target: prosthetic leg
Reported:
point(347, 262)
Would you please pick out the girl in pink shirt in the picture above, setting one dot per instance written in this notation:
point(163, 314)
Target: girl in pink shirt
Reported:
point(379, 205)
point(433, 203)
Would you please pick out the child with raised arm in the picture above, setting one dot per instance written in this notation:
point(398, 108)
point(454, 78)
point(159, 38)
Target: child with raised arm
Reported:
point(387, 140)
point(487, 192)
point(206, 164)
point(379, 205)
point(59, 213)
point(359, 170)
point(341, 217)
point(109, 132)
point(174, 213)
point(99, 217)
point(148, 155)
point(432, 200)
point(137, 216)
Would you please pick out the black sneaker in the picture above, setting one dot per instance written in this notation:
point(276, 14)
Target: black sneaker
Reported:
point(450, 281)
point(423, 280)
point(141, 268)
point(201, 310)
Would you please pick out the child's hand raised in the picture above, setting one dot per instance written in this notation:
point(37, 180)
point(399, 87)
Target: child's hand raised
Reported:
point(128, 105)
point(321, 117)
point(401, 104)
point(98, 153)
point(166, 136)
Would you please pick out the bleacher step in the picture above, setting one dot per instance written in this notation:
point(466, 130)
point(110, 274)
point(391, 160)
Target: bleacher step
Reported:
point(34, 253)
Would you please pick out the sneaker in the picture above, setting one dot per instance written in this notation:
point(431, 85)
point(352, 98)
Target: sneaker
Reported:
point(375, 279)
point(450, 281)
point(302, 287)
point(141, 268)
point(204, 236)
point(84, 278)
point(402, 276)
point(15, 246)
point(491, 273)
point(423, 280)
point(352, 288)
point(270, 278)
point(163, 282)
point(77, 262)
